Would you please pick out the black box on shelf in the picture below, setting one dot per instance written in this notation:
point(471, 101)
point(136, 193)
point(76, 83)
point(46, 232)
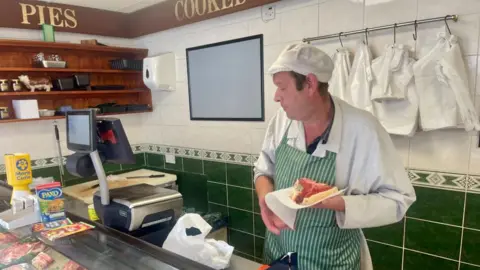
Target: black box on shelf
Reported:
point(63, 84)
point(127, 64)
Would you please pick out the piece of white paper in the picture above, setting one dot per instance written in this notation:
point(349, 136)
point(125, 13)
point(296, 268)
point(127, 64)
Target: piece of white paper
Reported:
point(285, 208)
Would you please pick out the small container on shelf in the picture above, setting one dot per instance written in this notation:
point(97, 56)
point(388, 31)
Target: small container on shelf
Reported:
point(46, 113)
point(16, 85)
point(54, 64)
point(4, 87)
point(4, 113)
point(50, 61)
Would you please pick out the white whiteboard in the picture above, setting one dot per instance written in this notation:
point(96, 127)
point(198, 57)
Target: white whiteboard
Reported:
point(225, 80)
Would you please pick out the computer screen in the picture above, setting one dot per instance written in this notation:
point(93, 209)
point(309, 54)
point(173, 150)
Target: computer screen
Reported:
point(81, 130)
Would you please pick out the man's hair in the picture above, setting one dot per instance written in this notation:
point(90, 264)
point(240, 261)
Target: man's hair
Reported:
point(300, 80)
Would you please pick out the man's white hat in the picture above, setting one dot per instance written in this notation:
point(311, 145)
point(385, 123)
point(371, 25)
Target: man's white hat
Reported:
point(304, 59)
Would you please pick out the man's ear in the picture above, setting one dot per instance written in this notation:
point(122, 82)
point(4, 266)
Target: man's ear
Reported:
point(311, 84)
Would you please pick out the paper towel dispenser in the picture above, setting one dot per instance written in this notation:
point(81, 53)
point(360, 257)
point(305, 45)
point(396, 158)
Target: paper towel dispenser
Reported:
point(159, 72)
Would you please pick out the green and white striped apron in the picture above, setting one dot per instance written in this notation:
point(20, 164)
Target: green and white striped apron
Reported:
point(319, 242)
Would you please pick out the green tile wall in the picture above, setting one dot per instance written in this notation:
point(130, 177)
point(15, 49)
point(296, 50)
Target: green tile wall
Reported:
point(441, 227)
point(223, 187)
point(385, 257)
point(417, 261)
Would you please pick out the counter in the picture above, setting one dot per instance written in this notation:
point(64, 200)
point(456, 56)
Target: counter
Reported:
point(99, 248)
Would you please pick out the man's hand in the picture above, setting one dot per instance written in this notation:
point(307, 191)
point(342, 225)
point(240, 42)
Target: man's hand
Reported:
point(336, 203)
point(272, 221)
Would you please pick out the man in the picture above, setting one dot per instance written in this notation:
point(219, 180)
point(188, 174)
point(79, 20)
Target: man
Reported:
point(320, 137)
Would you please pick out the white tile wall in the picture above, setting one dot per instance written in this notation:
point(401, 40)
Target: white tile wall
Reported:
point(339, 16)
point(379, 13)
point(450, 150)
point(299, 23)
point(446, 150)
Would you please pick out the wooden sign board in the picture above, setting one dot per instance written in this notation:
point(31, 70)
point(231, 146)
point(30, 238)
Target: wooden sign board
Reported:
point(29, 14)
point(174, 13)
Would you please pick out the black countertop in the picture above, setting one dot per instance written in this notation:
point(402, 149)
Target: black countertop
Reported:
point(105, 248)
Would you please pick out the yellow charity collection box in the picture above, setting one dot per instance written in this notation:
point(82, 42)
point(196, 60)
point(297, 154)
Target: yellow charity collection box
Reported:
point(19, 173)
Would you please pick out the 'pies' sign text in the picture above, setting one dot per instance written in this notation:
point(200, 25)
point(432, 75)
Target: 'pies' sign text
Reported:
point(167, 14)
point(41, 14)
point(187, 9)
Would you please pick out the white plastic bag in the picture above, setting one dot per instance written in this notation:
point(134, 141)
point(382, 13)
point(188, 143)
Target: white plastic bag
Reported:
point(338, 82)
point(210, 252)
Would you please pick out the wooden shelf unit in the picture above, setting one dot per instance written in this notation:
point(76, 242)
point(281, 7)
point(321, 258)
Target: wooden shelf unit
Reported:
point(92, 93)
point(66, 70)
point(63, 117)
point(16, 58)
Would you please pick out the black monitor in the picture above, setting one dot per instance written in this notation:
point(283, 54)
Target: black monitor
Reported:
point(113, 144)
point(81, 131)
point(104, 138)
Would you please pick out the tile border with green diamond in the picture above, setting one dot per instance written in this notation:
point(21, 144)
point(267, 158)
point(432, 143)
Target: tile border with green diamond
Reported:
point(422, 178)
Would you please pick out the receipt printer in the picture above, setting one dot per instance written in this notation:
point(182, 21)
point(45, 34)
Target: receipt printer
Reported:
point(143, 211)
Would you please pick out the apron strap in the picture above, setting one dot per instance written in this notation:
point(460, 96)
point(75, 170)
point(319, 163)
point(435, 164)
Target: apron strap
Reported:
point(284, 138)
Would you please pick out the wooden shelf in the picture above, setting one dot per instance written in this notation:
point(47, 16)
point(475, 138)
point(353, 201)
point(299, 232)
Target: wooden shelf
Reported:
point(17, 56)
point(68, 70)
point(69, 46)
point(72, 93)
point(63, 117)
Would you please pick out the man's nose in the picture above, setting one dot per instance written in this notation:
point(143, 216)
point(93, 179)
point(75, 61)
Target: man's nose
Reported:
point(276, 98)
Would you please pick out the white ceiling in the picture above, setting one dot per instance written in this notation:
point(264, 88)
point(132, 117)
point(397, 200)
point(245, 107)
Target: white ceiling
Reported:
point(126, 6)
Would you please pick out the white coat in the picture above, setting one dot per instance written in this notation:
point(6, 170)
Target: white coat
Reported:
point(378, 190)
point(442, 84)
point(390, 74)
point(397, 115)
point(338, 82)
point(360, 79)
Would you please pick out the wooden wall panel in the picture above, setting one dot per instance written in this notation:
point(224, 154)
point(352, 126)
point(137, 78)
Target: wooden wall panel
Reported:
point(29, 14)
point(66, 18)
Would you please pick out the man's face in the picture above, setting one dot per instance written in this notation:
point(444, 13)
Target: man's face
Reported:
point(294, 102)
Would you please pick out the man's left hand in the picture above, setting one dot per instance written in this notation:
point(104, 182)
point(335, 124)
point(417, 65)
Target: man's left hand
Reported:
point(336, 203)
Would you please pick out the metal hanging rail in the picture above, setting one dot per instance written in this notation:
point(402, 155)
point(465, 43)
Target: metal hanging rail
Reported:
point(378, 28)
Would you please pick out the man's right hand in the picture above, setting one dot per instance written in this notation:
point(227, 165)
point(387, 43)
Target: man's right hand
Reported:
point(273, 223)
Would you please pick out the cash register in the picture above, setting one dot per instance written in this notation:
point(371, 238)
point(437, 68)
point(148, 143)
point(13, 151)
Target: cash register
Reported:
point(143, 211)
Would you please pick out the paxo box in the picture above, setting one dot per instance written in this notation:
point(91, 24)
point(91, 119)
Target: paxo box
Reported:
point(50, 200)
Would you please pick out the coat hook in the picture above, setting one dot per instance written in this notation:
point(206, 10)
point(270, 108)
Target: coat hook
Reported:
point(340, 38)
point(394, 33)
point(446, 24)
point(415, 35)
point(366, 36)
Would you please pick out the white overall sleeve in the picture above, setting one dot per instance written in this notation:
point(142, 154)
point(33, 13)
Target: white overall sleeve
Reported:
point(265, 165)
point(379, 190)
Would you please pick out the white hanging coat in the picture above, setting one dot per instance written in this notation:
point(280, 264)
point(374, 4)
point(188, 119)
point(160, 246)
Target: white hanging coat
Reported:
point(442, 84)
point(360, 79)
point(400, 117)
point(396, 103)
point(341, 70)
point(390, 74)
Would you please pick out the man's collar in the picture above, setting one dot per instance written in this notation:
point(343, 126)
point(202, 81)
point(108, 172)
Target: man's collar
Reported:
point(296, 130)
